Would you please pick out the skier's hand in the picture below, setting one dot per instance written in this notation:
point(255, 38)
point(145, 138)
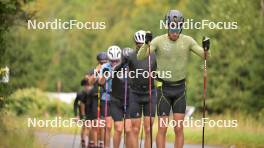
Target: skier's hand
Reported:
point(96, 73)
point(148, 37)
point(206, 43)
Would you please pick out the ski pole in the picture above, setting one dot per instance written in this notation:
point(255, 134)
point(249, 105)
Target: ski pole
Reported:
point(98, 115)
point(206, 45)
point(105, 113)
point(125, 106)
point(150, 95)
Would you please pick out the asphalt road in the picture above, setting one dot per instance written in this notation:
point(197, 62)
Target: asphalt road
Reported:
point(66, 141)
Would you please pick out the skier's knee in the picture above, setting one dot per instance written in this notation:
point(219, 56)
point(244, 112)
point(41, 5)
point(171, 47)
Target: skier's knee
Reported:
point(118, 129)
point(178, 130)
point(162, 130)
point(136, 130)
point(109, 128)
point(128, 129)
point(108, 125)
point(147, 129)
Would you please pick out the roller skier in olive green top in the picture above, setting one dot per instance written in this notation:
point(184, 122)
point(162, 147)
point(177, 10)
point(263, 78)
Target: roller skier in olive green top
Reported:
point(172, 54)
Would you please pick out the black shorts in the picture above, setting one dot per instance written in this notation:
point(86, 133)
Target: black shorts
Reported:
point(103, 107)
point(117, 110)
point(88, 112)
point(94, 114)
point(139, 102)
point(91, 109)
point(171, 97)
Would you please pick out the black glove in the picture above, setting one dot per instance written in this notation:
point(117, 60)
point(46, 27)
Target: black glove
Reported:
point(206, 43)
point(148, 37)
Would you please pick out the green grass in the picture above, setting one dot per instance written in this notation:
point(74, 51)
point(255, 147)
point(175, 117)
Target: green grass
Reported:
point(249, 133)
point(14, 134)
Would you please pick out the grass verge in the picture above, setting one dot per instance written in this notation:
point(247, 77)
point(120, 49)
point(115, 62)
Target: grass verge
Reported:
point(14, 134)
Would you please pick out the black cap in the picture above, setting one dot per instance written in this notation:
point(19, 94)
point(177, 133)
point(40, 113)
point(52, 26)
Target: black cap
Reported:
point(101, 56)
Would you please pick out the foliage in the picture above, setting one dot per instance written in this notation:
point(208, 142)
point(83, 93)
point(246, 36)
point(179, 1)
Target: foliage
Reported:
point(42, 58)
point(11, 13)
point(34, 102)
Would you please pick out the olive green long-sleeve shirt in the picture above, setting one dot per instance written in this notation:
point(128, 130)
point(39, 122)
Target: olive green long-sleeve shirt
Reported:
point(172, 55)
